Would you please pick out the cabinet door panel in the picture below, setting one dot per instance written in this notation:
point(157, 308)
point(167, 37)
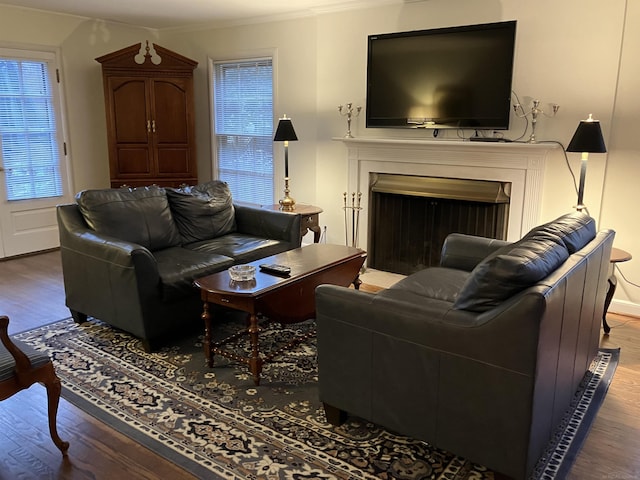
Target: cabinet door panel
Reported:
point(171, 113)
point(133, 161)
point(129, 110)
point(174, 161)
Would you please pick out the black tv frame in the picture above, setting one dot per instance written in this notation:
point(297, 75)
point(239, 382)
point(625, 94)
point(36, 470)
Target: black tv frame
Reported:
point(485, 47)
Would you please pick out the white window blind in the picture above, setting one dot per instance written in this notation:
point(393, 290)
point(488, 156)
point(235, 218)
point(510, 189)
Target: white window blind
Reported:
point(243, 122)
point(28, 137)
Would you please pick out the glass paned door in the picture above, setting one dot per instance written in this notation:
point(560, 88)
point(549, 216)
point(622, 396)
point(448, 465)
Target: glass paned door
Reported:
point(33, 173)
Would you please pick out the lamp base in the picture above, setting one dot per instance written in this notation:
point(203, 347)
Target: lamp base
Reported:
point(287, 204)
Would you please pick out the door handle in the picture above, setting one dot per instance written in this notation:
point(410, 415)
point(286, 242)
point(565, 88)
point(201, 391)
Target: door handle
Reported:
point(153, 126)
point(148, 126)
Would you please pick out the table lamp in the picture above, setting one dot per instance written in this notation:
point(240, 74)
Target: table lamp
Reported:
point(587, 139)
point(285, 133)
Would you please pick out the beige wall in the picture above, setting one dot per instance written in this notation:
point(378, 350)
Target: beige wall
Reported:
point(293, 46)
point(577, 53)
point(620, 192)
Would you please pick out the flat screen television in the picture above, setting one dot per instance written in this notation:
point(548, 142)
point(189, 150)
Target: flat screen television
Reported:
point(454, 77)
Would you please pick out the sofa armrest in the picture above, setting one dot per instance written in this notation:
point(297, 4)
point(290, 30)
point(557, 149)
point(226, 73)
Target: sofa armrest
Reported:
point(77, 237)
point(464, 252)
point(271, 224)
point(101, 273)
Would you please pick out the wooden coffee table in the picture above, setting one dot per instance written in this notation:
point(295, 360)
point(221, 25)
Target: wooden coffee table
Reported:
point(282, 299)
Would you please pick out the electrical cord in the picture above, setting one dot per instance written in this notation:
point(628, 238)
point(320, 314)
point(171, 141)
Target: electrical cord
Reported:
point(625, 278)
point(566, 160)
point(460, 133)
point(526, 119)
point(616, 325)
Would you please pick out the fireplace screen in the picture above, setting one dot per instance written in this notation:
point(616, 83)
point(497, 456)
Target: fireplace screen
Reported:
point(410, 216)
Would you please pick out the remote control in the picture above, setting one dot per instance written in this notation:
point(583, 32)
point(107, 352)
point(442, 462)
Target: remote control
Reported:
point(275, 269)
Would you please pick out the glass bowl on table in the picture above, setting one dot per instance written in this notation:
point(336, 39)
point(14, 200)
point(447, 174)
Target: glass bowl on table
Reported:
point(242, 273)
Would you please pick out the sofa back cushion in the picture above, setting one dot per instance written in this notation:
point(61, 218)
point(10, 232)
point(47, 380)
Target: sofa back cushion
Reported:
point(203, 212)
point(139, 215)
point(574, 230)
point(512, 268)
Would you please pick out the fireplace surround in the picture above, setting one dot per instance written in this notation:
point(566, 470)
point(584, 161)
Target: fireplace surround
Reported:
point(519, 165)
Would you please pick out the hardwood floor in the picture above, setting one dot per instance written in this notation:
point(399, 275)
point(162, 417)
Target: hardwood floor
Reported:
point(32, 294)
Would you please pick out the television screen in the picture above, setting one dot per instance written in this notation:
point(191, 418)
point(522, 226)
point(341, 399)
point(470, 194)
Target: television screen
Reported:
point(455, 77)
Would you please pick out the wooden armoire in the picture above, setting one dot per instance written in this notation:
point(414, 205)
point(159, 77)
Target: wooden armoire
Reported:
point(150, 117)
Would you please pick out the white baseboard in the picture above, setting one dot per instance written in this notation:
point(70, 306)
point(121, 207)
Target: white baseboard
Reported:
point(624, 307)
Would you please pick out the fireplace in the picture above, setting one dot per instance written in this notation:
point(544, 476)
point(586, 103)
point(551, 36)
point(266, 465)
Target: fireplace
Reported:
point(410, 216)
point(514, 170)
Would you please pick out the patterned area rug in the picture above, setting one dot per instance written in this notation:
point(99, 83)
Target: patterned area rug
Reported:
point(216, 424)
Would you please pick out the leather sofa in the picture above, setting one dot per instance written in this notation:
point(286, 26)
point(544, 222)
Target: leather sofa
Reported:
point(129, 256)
point(480, 356)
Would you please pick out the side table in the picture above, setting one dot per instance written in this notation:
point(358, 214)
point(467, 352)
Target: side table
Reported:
point(617, 256)
point(309, 221)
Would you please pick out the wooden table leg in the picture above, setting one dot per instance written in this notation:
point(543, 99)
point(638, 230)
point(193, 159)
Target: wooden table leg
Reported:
point(317, 233)
point(613, 282)
point(206, 316)
point(255, 362)
point(357, 282)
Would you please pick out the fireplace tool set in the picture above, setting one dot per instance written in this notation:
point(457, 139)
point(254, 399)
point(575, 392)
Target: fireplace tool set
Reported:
point(355, 209)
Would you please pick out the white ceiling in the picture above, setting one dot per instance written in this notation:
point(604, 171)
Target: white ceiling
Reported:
point(160, 14)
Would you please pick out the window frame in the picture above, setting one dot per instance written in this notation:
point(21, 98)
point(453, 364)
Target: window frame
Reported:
point(266, 54)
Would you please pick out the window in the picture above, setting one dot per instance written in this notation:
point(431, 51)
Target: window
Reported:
point(29, 143)
point(243, 128)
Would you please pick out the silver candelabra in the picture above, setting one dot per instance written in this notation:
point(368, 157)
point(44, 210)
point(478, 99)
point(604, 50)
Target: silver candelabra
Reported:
point(535, 111)
point(349, 113)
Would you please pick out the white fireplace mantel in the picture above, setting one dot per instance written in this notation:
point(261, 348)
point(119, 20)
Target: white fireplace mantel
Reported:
point(522, 165)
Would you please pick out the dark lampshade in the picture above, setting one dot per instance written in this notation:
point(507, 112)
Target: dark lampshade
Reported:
point(285, 131)
point(588, 138)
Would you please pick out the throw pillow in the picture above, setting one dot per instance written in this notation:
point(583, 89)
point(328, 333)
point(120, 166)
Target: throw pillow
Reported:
point(203, 211)
point(509, 270)
point(139, 215)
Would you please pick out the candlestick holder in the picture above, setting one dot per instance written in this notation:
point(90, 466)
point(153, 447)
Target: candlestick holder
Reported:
point(535, 111)
point(349, 113)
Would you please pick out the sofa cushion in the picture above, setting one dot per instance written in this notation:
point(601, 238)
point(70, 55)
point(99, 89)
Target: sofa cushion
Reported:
point(574, 229)
point(178, 267)
point(511, 269)
point(436, 282)
point(241, 247)
point(203, 211)
point(139, 215)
